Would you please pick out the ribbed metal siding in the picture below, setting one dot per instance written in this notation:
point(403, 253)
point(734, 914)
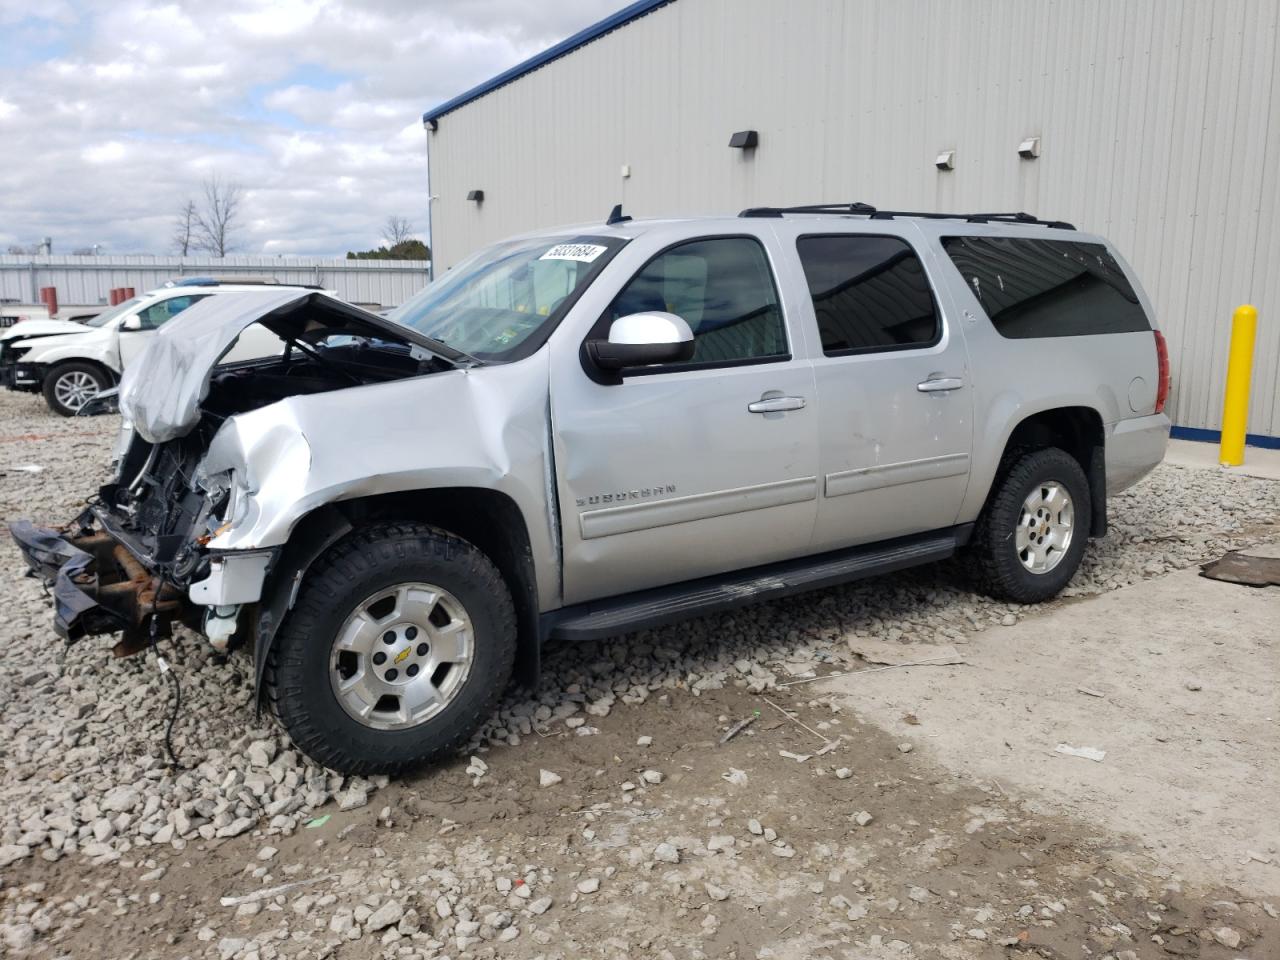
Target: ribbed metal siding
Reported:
point(87, 280)
point(1159, 120)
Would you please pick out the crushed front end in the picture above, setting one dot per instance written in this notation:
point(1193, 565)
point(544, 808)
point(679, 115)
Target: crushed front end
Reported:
point(135, 559)
point(98, 586)
point(208, 461)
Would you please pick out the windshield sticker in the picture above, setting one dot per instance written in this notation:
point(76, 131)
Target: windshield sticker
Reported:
point(582, 252)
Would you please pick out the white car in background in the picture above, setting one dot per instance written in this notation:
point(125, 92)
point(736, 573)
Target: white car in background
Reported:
point(36, 316)
point(71, 363)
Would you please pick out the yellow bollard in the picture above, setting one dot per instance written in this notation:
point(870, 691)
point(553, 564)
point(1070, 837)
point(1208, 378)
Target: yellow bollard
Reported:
point(1235, 401)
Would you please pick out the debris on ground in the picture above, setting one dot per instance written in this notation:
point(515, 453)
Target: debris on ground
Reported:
point(901, 654)
point(738, 727)
point(1247, 570)
point(1087, 753)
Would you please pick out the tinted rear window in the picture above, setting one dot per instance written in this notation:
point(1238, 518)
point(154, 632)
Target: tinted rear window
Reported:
point(869, 293)
point(1047, 288)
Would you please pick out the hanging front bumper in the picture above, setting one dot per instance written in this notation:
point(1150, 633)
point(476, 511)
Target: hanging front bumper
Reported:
point(98, 586)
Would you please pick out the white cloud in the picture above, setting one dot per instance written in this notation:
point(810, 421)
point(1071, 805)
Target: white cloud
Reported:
point(116, 109)
point(279, 18)
point(112, 151)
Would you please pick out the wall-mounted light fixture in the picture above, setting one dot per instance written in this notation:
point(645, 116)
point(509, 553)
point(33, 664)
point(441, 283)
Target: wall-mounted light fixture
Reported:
point(745, 140)
point(1029, 148)
point(433, 124)
point(476, 195)
point(946, 160)
point(626, 170)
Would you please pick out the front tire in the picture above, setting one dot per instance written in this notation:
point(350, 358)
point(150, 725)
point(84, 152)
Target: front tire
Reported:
point(400, 643)
point(1030, 539)
point(69, 386)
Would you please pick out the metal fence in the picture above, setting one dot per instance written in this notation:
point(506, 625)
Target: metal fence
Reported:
point(88, 280)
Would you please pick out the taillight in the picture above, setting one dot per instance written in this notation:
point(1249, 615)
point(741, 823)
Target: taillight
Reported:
point(1162, 364)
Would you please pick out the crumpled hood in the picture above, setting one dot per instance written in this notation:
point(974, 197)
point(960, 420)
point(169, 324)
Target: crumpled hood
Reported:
point(42, 328)
point(161, 392)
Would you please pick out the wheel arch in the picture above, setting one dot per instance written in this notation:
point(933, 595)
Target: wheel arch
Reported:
point(488, 519)
point(1077, 429)
point(51, 365)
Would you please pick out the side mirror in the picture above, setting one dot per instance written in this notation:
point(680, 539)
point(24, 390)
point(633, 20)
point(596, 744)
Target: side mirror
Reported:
point(643, 339)
point(132, 323)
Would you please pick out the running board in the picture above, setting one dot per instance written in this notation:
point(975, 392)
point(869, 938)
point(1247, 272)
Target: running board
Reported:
point(651, 608)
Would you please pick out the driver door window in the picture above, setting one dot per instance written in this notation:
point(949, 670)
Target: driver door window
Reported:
point(723, 288)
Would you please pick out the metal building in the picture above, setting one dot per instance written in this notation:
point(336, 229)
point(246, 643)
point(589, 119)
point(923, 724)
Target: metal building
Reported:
point(1154, 122)
point(88, 280)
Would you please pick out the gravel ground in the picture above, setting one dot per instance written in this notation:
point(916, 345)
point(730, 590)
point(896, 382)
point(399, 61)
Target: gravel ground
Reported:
point(85, 779)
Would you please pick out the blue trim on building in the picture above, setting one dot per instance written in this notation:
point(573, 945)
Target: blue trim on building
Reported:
point(1214, 436)
point(620, 19)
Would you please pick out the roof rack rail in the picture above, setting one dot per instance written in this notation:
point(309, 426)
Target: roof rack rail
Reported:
point(867, 210)
point(856, 208)
point(250, 281)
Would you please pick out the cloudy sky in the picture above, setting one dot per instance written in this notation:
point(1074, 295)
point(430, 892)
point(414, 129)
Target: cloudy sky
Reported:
point(113, 113)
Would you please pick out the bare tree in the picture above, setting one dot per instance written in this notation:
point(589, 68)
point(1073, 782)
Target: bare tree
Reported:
point(218, 218)
point(185, 226)
point(396, 230)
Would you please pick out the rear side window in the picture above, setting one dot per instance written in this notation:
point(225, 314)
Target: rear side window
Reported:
point(869, 294)
point(1047, 288)
point(723, 288)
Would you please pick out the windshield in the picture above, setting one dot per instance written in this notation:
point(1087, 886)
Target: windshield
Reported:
point(102, 319)
point(502, 303)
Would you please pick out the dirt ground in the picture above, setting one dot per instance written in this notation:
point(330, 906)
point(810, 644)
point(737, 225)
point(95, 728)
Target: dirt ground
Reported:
point(1175, 678)
point(913, 813)
point(942, 861)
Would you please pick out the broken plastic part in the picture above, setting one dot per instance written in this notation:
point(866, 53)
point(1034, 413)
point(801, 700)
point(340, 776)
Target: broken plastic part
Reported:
point(220, 625)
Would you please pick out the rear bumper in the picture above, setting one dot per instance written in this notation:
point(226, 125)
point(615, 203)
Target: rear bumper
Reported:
point(1134, 448)
point(98, 586)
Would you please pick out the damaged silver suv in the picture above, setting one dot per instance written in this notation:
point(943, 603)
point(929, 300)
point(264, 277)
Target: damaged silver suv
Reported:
point(599, 429)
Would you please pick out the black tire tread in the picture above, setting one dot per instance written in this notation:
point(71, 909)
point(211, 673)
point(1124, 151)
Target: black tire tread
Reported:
point(347, 559)
point(990, 565)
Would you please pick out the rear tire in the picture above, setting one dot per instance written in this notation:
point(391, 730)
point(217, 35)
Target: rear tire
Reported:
point(400, 643)
point(1029, 541)
point(69, 386)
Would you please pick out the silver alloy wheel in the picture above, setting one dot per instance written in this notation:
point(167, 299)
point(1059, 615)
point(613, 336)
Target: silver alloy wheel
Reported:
point(1045, 527)
point(75, 388)
point(402, 656)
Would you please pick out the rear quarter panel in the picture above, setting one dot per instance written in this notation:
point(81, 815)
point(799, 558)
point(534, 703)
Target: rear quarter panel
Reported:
point(1013, 379)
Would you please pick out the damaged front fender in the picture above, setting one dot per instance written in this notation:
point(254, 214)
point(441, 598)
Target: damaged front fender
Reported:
point(263, 459)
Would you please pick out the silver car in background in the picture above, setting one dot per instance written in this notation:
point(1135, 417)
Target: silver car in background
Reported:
point(598, 429)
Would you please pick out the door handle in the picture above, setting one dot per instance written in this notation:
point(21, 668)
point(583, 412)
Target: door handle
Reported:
point(939, 384)
point(776, 404)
